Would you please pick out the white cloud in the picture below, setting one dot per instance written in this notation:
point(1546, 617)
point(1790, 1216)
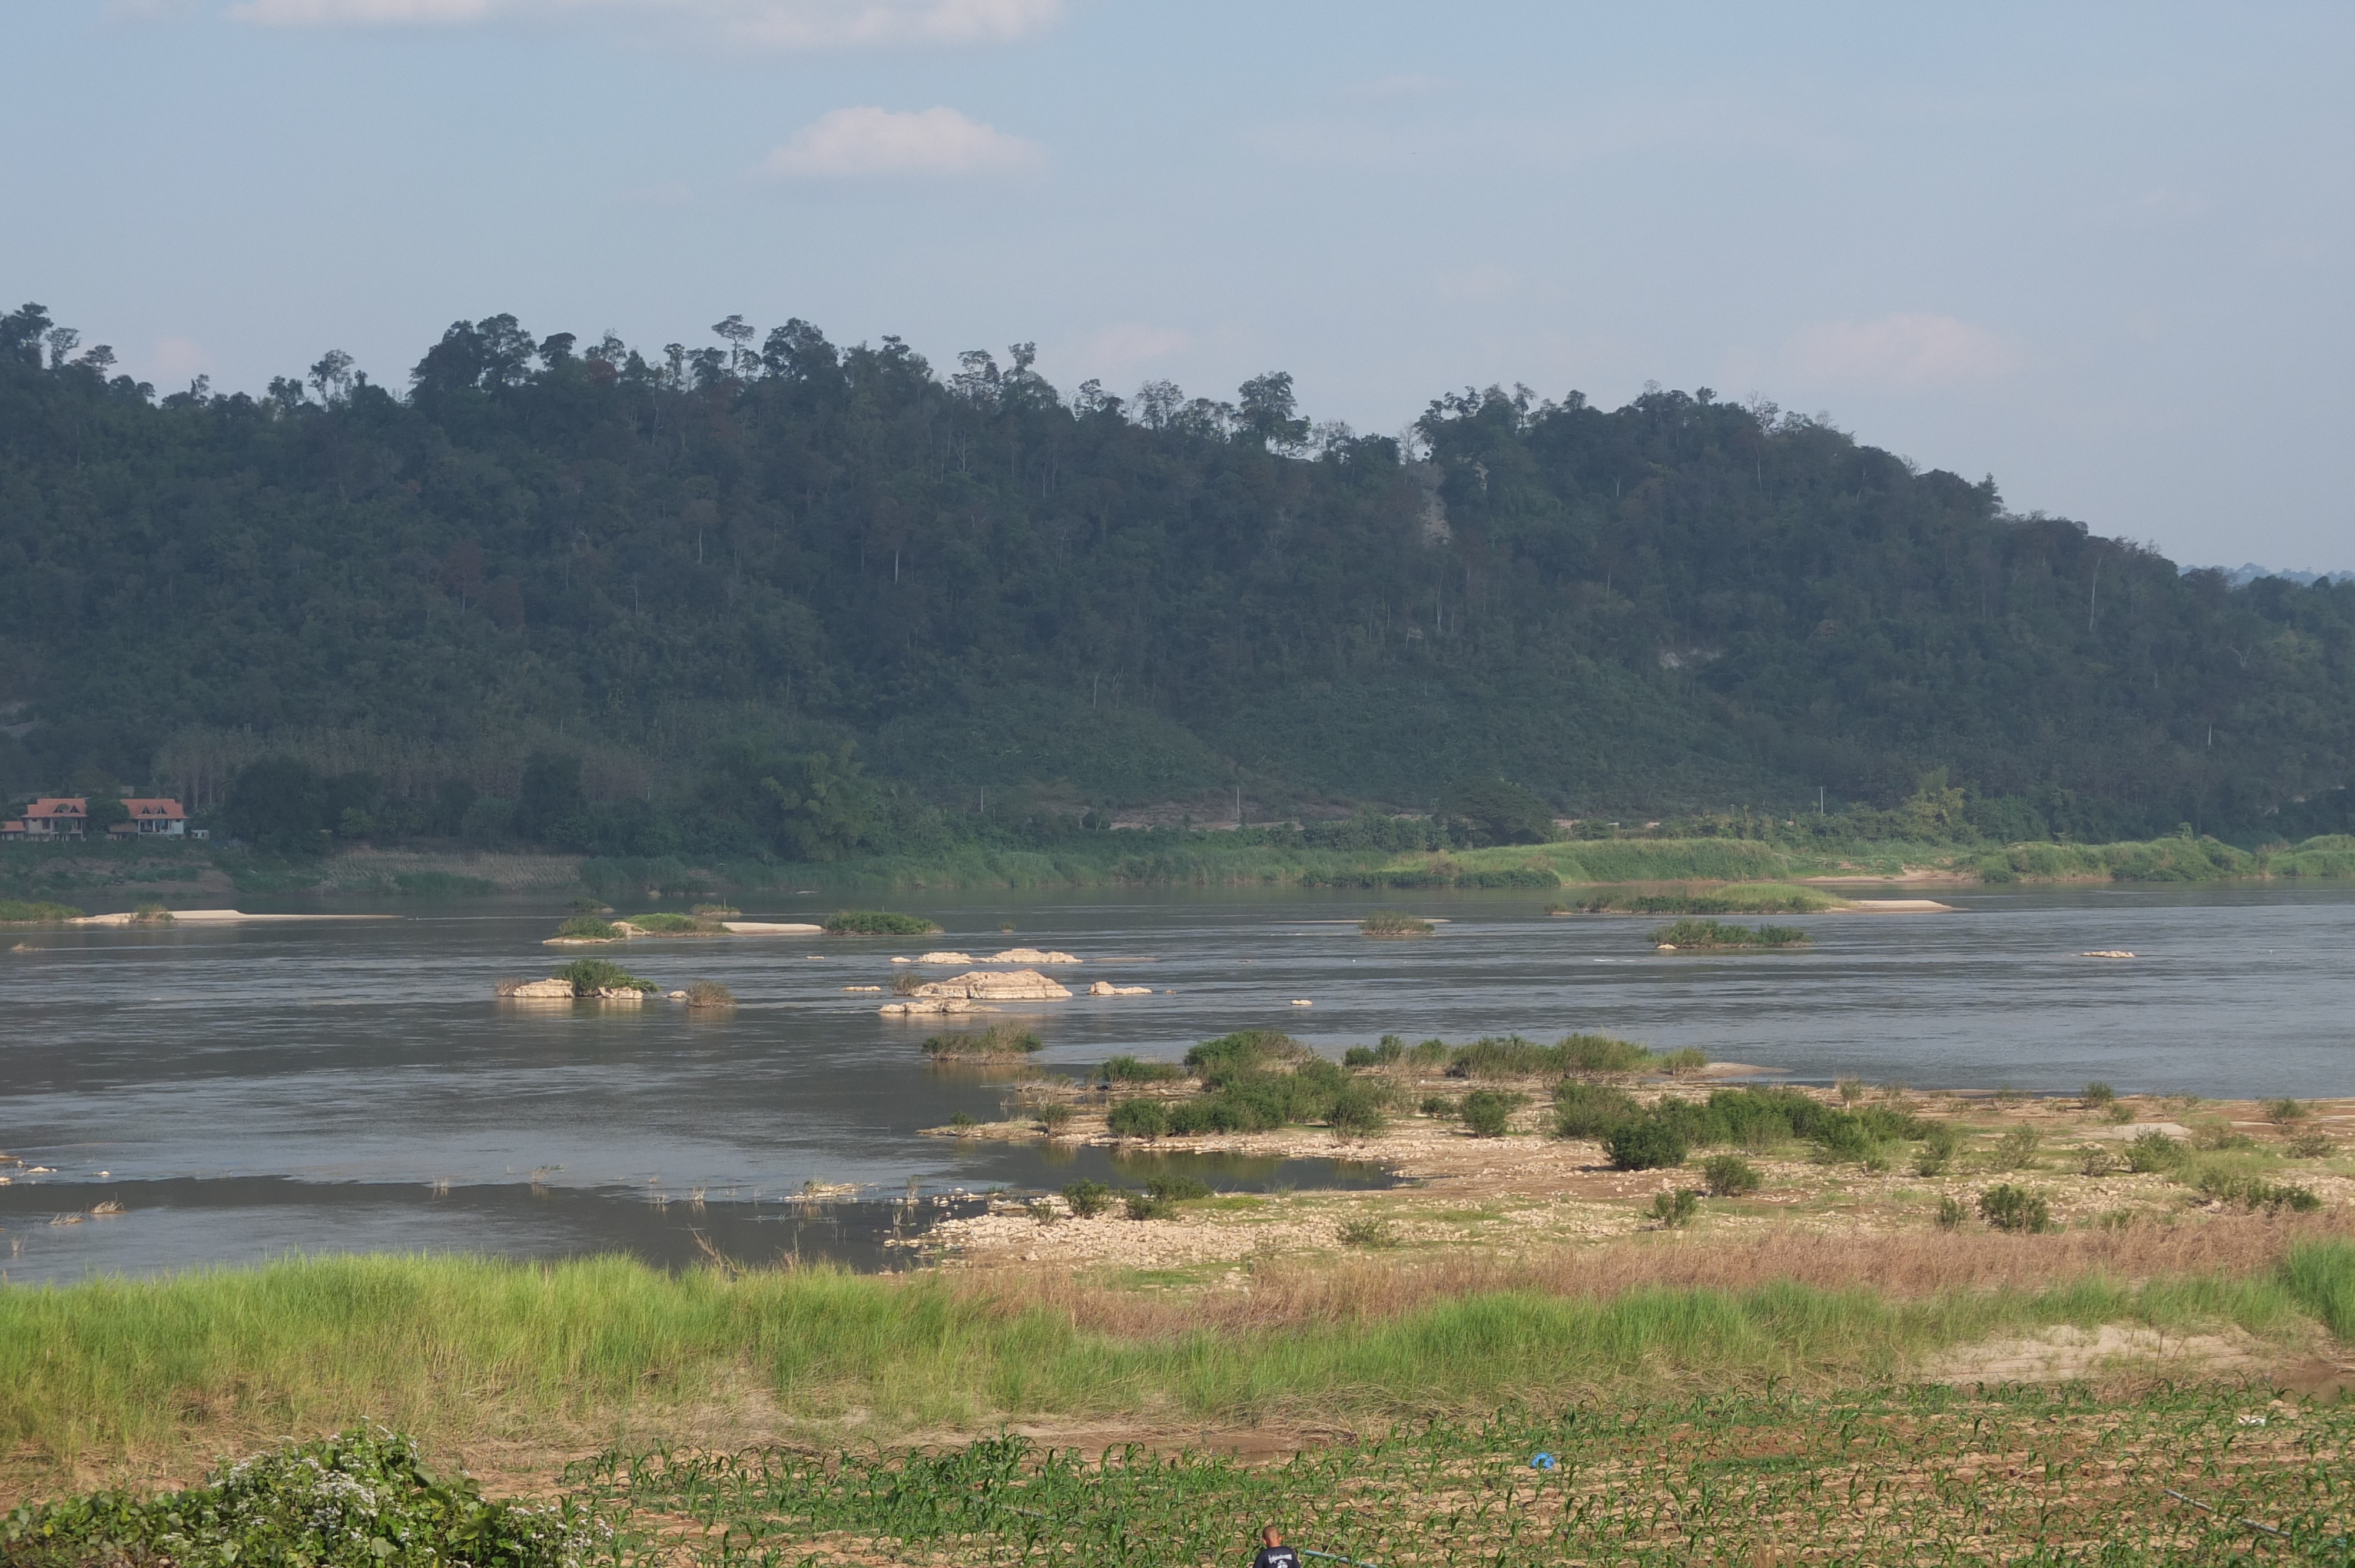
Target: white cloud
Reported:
point(1904, 350)
point(869, 143)
point(770, 23)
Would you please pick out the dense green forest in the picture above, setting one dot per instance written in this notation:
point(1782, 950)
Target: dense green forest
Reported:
point(807, 600)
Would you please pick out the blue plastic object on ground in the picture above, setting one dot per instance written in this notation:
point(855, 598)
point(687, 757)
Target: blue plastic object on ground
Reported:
point(1542, 1462)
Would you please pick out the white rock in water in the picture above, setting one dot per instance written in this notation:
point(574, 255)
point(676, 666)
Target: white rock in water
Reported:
point(1105, 988)
point(988, 985)
point(1032, 956)
point(620, 993)
point(947, 959)
point(1299, 1002)
point(929, 1005)
point(541, 990)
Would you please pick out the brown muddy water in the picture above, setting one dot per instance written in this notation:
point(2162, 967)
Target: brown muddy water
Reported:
point(244, 1092)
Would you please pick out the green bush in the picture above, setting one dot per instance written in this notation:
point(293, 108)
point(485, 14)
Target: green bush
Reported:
point(2315, 1145)
point(1647, 1143)
point(2016, 1149)
point(962, 1119)
point(1245, 1051)
point(999, 1039)
point(1054, 1115)
point(1601, 1054)
point(15, 912)
point(588, 927)
point(1145, 1206)
point(1951, 1214)
point(2098, 1095)
point(709, 993)
point(2154, 1153)
point(2015, 1209)
point(2256, 1193)
point(877, 923)
point(1138, 1118)
point(2282, 1111)
point(1502, 1057)
point(1676, 1209)
point(360, 1500)
point(2216, 1135)
point(1941, 1141)
point(1690, 1059)
point(1591, 1110)
point(1131, 1070)
point(1395, 923)
point(1087, 1199)
point(669, 922)
point(1487, 1112)
point(1177, 1189)
point(1357, 1113)
point(1391, 1049)
point(1710, 934)
point(1729, 1176)
point(1369, 1232)
point(1441, 1107)
point(590, 976)
point(1427, 1054)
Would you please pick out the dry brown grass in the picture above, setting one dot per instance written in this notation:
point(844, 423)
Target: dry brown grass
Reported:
point(1910, 1266)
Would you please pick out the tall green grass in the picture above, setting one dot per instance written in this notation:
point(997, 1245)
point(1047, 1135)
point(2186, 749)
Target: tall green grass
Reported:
point(453, 1345)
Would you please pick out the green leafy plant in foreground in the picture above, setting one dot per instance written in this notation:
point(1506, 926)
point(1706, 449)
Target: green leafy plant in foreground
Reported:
point(362, 1500)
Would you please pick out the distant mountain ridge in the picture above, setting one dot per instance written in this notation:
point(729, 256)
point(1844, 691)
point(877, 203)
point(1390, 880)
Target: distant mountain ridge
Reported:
point(706, 573)
point(2248, 572)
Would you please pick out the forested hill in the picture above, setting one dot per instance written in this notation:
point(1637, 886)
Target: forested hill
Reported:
point(774, 545)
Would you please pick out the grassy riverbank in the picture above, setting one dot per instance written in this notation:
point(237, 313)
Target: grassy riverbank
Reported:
point(1273, 859)
point(466, 1348)
point(1644, 875)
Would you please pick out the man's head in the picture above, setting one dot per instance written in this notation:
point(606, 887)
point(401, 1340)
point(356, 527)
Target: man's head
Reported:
point(1272, 1535)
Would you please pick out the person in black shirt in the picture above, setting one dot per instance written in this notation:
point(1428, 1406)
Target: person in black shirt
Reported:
point(1274, 1553)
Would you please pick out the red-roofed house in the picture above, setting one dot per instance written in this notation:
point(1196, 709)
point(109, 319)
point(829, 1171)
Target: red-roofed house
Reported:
point(159, 818)
point(67, 817)
point(56, 817)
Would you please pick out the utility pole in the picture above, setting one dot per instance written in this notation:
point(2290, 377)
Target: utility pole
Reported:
point(1819, 799)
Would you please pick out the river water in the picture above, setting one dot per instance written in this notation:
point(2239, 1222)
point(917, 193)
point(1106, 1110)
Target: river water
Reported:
point(250, 1090)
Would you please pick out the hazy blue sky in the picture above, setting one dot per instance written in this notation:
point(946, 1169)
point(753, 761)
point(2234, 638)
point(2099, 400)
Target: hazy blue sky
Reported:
point(2102, 251)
